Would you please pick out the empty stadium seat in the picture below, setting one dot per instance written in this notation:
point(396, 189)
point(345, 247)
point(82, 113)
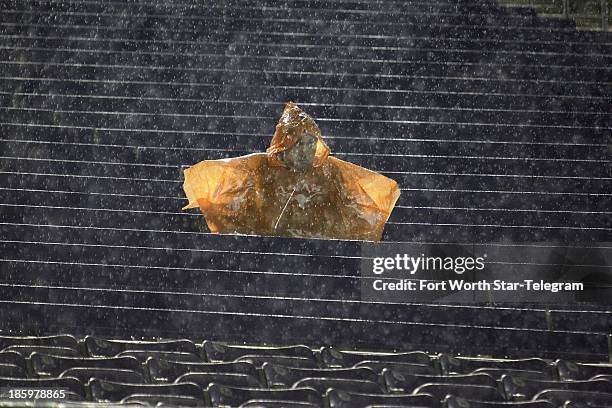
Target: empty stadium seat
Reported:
point(337, 358)
point(163, 400)
point(108, 391)
point(13, 358)
point(63, 340)
point(108, 348)
point(477, 392)
point(234, 396)
point(218, 352)
point(277, 404)
point(143, 355)
point(52, 366)
point(559, 397)
point(581, 371)
point(497, 373)
point(342, 384)
point(283, 376)
point(169, 371)
point(521, 388)
point(27, 350)
point(406, 383)
point(84, 374)
point(343, 399)
point(10, 370)
point(228, 379)
point(402, 368)
point(298, 362)
point(455, 402)
point(465, 365)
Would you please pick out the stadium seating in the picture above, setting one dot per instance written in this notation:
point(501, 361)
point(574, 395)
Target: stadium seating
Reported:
point(494, 121)
point(90, 378)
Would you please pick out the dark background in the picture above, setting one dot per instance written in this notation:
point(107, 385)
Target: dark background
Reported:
point(495, 122)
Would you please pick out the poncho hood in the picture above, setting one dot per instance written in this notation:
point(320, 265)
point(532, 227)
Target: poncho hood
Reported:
point(292, 125)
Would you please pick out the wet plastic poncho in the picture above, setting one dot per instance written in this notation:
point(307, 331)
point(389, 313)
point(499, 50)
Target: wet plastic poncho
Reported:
point(258, 194)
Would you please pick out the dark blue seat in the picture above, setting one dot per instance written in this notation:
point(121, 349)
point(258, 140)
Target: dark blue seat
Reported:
point(477, 392)
point(589, 398)
point(337, 358)
point(524, 389)
point(457, 402)
point(108, 391)
point(342, 384)
point(465, 365)
point(234, 396)
point(406, 383)
point(218, 352)
point(283, 376)
point(84, 374)
point(581, 371)
point(227, 379)
point(45, 365)
point(11, 370)
point(343, 399)
point(169, 371)
point(143, 355)
point(108, 348)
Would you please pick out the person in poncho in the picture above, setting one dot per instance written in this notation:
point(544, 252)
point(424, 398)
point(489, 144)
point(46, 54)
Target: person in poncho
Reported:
point(295, 189)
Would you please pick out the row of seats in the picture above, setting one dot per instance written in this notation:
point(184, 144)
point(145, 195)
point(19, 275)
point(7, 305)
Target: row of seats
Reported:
point(232, 389)
point(228, 39)
point(44, 364)
point(144, 87)
point(475, 14)
point(298, 356)
point(221, 374)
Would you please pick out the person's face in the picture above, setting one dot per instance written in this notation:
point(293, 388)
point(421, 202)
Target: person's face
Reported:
point(301, 155)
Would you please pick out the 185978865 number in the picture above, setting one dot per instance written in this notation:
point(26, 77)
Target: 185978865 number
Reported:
point(34, 393)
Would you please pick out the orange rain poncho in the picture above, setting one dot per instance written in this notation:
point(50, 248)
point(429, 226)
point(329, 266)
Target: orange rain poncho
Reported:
point(259, 194)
